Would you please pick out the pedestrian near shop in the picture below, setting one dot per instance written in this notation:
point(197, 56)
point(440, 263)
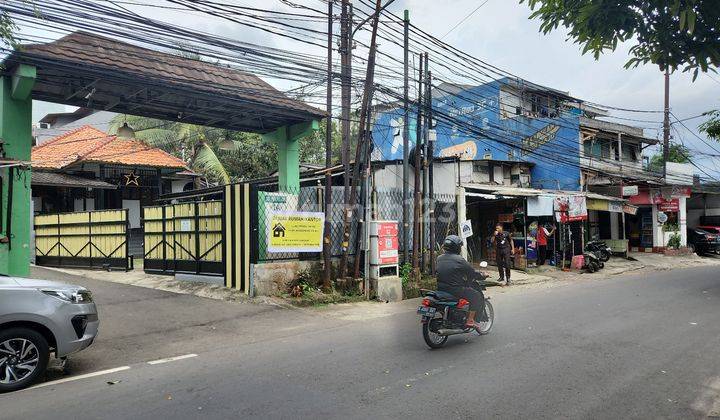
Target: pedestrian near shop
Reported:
point(504, 249)
point(542, 236)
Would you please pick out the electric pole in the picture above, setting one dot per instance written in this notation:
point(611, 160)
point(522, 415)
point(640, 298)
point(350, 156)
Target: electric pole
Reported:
point(425, 189)
point(327, 243)
point(363, 132)
point(345, 78)
point(666, 124)
point(431, 153)
point(406, 152)
point(417, 175)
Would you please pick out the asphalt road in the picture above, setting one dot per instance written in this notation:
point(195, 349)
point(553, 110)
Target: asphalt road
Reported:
point(640, 346)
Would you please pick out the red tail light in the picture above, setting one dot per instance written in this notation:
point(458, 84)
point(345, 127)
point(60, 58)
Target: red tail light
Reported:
point(426, 302)
point(711, 237)
point(462, 303)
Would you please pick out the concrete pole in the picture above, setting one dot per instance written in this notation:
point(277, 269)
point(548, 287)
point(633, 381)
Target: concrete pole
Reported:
point(461, 215)
point(406, 146)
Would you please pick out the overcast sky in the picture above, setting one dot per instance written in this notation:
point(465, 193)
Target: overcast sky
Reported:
point(501, 33)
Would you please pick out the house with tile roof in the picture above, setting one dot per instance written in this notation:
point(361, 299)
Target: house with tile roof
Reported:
point(88, 169)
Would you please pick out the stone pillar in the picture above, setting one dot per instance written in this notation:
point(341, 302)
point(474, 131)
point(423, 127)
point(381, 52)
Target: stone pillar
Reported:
point(682, 220)
point(461, 215)
point(658, 239)
point(16, 136)
point(615, 226)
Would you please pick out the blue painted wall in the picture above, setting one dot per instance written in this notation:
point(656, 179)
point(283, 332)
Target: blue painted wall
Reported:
point(550, 143)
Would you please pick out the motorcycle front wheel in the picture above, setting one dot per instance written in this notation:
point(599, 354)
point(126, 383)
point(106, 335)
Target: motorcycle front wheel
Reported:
point(486, 326)
point(604, 256)
point(432, 338)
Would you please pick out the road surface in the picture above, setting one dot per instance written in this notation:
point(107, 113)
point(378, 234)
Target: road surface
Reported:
point(632, 346)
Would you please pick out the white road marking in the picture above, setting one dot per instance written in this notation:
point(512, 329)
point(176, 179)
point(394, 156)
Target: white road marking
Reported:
point(172, 359)
point(78, 377)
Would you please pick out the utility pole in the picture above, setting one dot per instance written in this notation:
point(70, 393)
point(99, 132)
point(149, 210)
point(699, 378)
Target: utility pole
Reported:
point(417, 175)
point(327, 243)
point(666, 124)
point(425, 175)
point(406, 152)
point(345, 78)
point(363, 131)
point(431, 154)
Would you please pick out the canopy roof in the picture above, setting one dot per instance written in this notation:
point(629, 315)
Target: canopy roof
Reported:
point(88, 144)
point(92, 71)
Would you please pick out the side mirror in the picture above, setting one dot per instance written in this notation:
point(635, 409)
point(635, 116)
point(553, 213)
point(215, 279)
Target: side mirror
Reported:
point(483, 264)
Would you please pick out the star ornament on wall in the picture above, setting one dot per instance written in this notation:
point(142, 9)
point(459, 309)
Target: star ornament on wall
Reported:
point(132, 179)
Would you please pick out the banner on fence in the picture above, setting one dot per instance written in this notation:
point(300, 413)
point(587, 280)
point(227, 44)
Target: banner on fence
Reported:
point(295, 231)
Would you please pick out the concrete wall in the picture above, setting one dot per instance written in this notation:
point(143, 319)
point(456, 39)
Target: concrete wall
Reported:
point(273, 278)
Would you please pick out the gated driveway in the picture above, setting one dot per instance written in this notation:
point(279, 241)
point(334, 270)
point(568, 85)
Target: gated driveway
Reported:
point(138, 324)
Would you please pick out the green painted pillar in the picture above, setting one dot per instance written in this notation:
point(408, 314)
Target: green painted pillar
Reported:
point(16, 137)
point(287, 138)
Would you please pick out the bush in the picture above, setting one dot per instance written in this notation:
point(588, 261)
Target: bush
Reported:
point(674, 241)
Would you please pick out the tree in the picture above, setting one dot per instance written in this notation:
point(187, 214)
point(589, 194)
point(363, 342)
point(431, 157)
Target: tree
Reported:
point(667, 33)
point(677, 153)
point(7, 30)
point(711, 127)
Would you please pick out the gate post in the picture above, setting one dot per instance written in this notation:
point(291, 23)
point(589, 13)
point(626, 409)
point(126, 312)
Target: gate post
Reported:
point(286, 138)
point(16, 137)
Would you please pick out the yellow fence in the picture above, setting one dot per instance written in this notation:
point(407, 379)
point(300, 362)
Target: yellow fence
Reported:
point(184, 238)
point(83, 239)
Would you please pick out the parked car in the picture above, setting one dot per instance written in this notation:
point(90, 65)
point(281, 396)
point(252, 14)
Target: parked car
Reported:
point(711, 229)
point(703, 242)
point(39, 318)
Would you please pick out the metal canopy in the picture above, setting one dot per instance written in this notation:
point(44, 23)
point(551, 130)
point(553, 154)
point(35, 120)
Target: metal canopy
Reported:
point(88, 70)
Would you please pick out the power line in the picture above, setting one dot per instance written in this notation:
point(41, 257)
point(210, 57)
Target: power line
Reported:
point(464, 19)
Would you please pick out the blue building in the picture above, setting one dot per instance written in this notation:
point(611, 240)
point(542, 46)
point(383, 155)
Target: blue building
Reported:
point(505, 120)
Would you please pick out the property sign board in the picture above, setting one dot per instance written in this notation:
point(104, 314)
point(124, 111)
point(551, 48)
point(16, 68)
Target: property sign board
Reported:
point(295, 231)
point(615, 207)
point(466, 229)
point(630, 190)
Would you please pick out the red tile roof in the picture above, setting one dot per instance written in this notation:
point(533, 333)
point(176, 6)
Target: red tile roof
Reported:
point(88, 144)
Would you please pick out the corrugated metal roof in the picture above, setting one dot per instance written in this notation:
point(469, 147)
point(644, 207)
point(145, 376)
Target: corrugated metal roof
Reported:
point(55, 179)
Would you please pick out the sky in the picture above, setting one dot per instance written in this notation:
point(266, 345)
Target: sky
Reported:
point(500, 33)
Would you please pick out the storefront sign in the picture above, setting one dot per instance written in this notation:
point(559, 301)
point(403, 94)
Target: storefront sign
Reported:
point(630, 209)
point(570, 208)
point(630, 190)
point(615, 207)
point(466, 229)
point(295, 231)
point(662, 217)
point(676, 191)
point(506, 218)
point(594, 204)
point(669, 205)
point(384, 243)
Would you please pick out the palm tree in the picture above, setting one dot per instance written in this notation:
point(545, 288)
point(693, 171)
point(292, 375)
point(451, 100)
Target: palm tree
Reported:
point(191, 143)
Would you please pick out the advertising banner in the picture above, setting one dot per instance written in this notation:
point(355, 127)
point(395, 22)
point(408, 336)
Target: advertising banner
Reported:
point(295, 231)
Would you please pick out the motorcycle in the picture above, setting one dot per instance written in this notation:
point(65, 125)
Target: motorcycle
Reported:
point(593, 262)
point(443, 314)
point(600, 248)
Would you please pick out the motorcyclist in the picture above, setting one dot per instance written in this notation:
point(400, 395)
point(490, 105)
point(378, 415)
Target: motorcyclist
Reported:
point(454, 276)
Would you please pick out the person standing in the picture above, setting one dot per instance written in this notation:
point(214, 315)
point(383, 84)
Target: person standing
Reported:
point(504, 249)
point(542, 237)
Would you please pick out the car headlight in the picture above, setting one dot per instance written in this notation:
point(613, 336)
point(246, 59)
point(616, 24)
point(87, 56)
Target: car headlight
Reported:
point(81, 296)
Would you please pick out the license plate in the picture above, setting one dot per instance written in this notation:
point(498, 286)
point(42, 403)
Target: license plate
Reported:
point(426, 311)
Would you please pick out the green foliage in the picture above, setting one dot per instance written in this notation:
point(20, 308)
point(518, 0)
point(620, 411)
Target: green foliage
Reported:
point(671, 227)
point(668, 33)
point(674, 241)
point(678, 154)
point(199, 146)
point(406, 271)
point(711, 127)
point(7, 30)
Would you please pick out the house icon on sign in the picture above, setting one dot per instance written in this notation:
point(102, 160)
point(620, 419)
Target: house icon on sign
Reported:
point(279, 231)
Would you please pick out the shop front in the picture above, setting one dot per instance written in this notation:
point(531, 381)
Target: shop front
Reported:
point(661, 215)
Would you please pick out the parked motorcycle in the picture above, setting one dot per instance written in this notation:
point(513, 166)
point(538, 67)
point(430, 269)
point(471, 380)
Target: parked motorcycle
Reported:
point(593, 262)
point(443, 314)
point(600, 248)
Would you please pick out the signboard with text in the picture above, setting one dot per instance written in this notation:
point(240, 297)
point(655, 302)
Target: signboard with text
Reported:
point(295, 231)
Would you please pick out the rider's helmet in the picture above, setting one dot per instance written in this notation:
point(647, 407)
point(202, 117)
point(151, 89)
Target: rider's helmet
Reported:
point(452, 244)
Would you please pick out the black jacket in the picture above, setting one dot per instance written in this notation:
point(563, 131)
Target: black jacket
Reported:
point(453, 271)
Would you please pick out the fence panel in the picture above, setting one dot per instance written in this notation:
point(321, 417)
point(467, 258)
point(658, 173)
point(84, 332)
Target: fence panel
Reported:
point(184, 238)
point(91, 239)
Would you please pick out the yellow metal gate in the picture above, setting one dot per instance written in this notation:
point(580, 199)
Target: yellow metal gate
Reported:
point(94, 239)
point(184, 238)
point(202, 237)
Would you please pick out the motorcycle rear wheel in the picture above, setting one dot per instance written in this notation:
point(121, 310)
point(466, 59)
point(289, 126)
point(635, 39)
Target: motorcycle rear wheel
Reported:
point(604, 256)
point(486, 326)
point(433, 339)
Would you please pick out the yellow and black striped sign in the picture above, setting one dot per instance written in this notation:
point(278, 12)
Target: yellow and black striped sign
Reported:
point(237, 236)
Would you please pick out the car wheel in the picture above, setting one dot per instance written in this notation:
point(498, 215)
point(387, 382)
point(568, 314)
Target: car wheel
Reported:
point(24, 355)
